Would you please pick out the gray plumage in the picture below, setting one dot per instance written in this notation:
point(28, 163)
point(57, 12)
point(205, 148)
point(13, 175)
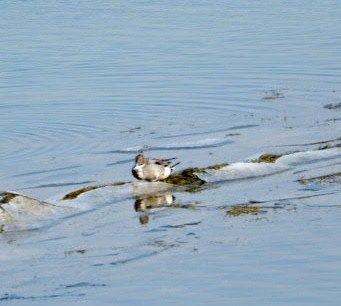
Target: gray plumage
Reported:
point(150, 169)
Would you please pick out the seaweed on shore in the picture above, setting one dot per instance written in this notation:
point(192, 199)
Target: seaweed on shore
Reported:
point(189, 178)
point(184, 177)
point(6, 197)
point(74, 194)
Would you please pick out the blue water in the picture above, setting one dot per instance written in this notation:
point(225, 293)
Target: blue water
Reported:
point(86, 84)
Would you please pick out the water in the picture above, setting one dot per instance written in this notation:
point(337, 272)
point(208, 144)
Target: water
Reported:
point(85, 85)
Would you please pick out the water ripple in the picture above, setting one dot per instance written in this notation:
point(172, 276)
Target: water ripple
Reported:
point(46, 138)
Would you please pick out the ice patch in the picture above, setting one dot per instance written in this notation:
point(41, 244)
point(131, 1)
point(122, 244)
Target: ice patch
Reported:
point(241, 170)
point(308, 157)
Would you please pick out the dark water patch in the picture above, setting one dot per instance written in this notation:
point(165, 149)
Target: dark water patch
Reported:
point(120, 162)
point(59, 185)
point(238, 127)
point(274, 94)
point(333, 178)
point(13, 297)
point(72, 252)
point(333, 120)
point(322, 142)
point(192, 147)
point(132, 259)
point(132, 130)
point(83, 285)
point(124, 261)
point(182, 225)
point(333, 106)
point(46, 171)
point(13, 106)
point(58, 238)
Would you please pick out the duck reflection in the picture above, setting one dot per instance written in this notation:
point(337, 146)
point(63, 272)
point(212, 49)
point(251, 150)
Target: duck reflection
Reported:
point(144, 203)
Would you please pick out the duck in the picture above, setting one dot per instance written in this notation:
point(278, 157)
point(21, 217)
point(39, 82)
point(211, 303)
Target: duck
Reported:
point(152, 170)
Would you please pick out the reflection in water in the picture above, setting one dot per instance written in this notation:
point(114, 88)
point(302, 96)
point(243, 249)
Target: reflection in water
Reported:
point(146, 202)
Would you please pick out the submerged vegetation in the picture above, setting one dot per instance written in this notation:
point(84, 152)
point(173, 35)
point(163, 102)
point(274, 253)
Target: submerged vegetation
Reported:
point(237, 210)
point(333, 178)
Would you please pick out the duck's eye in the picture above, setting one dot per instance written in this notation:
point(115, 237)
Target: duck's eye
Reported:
point(158, 163)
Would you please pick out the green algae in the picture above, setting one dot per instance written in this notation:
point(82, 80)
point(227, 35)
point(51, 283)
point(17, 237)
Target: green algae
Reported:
point(184, 177)
point(188, 176)
point(74, 194)
point(213, 167)
point(6, 197)
point(268, 158)
point(244, 209)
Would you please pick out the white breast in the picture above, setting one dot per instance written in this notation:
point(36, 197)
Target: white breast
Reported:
point(139, 170)
point(167, 172)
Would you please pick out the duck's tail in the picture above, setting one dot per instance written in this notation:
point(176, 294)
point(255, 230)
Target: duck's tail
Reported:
point(173, 166)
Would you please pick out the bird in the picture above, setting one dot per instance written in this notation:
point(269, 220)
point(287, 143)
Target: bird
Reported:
point(152, 170)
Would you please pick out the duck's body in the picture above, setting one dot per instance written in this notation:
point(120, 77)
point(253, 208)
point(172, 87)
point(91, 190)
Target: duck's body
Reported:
point(152, 169)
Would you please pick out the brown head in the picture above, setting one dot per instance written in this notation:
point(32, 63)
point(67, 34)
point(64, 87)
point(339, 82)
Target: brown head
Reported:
point(140, 159)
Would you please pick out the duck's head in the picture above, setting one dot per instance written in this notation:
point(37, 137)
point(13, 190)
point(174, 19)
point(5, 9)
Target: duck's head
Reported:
point(140, 159)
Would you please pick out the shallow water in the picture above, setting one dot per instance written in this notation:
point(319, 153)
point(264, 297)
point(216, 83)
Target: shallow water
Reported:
point(85, 86)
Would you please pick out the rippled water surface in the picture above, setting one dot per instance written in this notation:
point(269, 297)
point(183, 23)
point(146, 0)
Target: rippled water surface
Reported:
point(87, 84)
